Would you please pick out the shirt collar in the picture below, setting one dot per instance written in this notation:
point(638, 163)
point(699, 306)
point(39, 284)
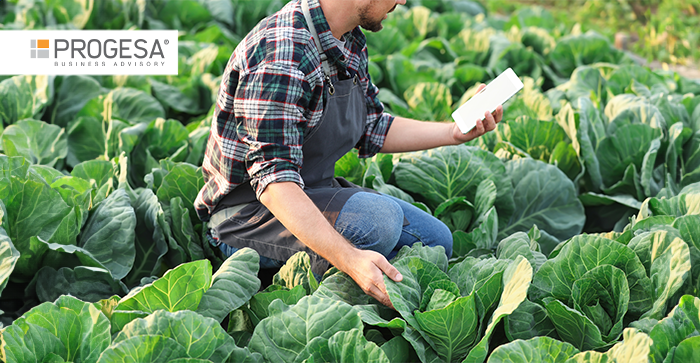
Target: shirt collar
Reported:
point(325, 35)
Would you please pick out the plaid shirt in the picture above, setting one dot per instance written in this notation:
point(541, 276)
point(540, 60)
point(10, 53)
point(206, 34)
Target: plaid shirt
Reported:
point(271, 96)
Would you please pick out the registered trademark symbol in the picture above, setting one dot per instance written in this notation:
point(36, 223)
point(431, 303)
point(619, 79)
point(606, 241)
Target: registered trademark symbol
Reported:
point(166, 42)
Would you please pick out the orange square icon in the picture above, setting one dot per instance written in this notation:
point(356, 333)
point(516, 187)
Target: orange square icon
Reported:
point(42, 43)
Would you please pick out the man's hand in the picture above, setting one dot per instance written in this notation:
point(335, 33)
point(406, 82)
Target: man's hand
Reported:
point(367, 268)
point(488, 123)
point(288, 202)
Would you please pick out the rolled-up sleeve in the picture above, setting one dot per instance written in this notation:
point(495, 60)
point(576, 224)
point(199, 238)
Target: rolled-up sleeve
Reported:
point(269, 105)
point(377, 123)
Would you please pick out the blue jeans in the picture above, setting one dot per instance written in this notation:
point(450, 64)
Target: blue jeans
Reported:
point(375, 222)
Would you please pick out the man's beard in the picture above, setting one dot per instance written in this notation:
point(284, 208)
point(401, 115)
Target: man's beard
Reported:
point(370, 24)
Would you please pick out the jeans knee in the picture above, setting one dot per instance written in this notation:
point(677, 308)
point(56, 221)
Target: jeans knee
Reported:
point(371, 222)
point(430, 232)
point(443, 238)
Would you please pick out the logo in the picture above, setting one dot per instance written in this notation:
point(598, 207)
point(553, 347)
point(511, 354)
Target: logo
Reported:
point(40, 48)
point(90, 52)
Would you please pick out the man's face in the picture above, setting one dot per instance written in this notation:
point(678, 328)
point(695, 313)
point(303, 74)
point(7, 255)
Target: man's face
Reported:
point(373, 12)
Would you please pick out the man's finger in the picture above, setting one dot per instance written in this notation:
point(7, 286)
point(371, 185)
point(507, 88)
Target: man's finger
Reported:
point(389, 269)
point(480, 127)
point(489, 122)
point(498, 114)
point(380, 295)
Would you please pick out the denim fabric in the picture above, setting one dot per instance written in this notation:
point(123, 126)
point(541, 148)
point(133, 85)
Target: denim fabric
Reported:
point(375, 222)
point(228, 251)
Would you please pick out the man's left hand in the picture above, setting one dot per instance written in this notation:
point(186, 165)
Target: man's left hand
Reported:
point(488, 123)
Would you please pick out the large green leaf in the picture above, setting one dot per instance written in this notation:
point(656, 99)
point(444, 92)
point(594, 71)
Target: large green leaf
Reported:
point(516, 281)
point(77, 193)
point(485, 234)
point(182, 229)
point(159, 140)
point(602, 295)
point(473, 273)
point(688, 350)
point(144, 349)
point(667, 259)
point(233, 284)
point(543, 196)
point(621, 78)
point(110, 232)
point(587, 82)
point(435, 254)
point(536, 350)
point(573, 326)
point(181, 288)
point(582, 122)
point(258, 304)
point(624, 110)
point(407, 295)
point(529, 102)
point(127, 104)
point(151, 244)
point(628, 146)
point(97, 172)
point(8, 254)
point(583, 253)
point(573, 51)
point(26, 342)
point(634, 348)
point(23, 97)
point(452, 329)
point(689, 228)
point(535, 137)
point(338, 286)
point(183, 180)
point(680, 205)
point(288, 330)
point(187, 95)
point(25, 200)
point(399, 67)
point(86, 139)
point(429, 101)
point(37, 141)
point(456, 213)
point(681, 323)
point(343, 346)
point(86, 283)
point(519, 244)
point(440, 174)
point(82, 331)
point(351, 167)
point(201, 337)
point(529, 320)
point(297, 271)
point(74, 93)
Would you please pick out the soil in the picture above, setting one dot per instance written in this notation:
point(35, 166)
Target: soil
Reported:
point(692, 72)
point(623, 40)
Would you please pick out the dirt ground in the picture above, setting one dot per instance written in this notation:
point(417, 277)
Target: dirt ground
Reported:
point(623, 41)
point(692, 72)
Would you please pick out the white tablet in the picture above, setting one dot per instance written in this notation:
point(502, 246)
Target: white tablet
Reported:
point(496, 93)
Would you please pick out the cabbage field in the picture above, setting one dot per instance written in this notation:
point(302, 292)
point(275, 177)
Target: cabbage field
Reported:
point(576, 222)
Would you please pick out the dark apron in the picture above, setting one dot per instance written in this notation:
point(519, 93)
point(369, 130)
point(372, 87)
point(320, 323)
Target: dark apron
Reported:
point(341, 127)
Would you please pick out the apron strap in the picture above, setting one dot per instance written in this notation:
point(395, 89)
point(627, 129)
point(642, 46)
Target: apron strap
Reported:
point(312, 29)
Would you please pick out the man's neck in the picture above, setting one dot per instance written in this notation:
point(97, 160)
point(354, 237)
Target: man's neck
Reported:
point(341, 16)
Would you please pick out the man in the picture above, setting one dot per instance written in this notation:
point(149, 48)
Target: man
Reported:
point(294, 98)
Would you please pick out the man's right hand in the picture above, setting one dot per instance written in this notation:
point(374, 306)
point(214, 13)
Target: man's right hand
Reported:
point(288, 202)
point(367, 268)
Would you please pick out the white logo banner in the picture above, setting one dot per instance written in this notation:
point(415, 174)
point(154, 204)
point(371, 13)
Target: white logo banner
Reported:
point(88, 52)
